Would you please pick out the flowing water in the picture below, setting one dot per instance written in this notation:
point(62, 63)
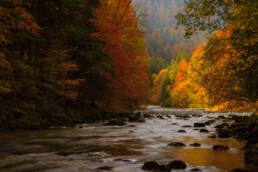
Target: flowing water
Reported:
point(94, 147)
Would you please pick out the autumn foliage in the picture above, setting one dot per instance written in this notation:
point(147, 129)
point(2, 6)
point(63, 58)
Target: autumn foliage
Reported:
point(213, 78)
point(64, 62)
point(118, 27)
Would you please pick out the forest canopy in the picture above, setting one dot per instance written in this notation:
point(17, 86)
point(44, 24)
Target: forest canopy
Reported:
point(222, 73)
point(63, 60)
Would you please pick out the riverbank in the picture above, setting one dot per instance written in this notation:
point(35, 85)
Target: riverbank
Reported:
point(68, 119)
point(245, 129)
point(164, 135)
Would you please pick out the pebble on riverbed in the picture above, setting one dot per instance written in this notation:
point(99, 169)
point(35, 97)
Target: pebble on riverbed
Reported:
point(181, 131)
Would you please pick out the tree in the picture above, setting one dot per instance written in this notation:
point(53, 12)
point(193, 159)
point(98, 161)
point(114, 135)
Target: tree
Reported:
point(231, 54)
point(118, 28)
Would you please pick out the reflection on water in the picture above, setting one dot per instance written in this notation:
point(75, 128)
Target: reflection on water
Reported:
point(225, 160)
point(121, 149)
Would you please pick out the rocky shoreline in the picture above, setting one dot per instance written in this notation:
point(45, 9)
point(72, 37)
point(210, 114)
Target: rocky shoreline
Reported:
point(244, 128)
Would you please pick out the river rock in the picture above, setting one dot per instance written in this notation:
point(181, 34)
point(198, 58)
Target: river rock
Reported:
point(195, 144)
point(222, 117)
point(219, 148)
point(106, 168)
point(154, 166)
point(223, 133)
point(209, 122)
point(195, 169)
point(160, 117)
point(136, 119)
point(150, 165)
point(176, 144)
point(147, 115)
point(186, 126)
point(115, 122)
point(181, 131)
point(163, 168)
point(204, 130)
point(212, 137)
point(222, 126)
point(176, 164)
point(198, 124)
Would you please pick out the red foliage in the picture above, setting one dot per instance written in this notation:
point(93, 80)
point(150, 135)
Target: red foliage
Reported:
point(118, 28)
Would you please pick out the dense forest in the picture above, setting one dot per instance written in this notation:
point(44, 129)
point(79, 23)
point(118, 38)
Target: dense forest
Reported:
point(164, 41)
point(67, 61)
point(221, 73)
point(129, 85)
point(70, 61)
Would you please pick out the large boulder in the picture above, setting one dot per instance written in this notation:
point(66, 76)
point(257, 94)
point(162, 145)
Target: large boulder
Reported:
point(154, 166)
point(150, 165)
point(177, 164)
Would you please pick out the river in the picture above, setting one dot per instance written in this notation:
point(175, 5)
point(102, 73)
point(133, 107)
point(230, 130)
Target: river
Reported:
point(96, 148)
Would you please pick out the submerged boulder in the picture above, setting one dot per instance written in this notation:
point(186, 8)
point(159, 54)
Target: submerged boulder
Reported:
point(219, 148)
